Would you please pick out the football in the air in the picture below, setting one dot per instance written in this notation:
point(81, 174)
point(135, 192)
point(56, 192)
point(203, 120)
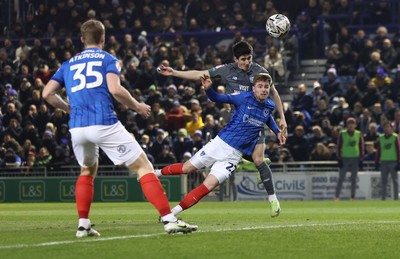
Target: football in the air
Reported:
point(278, 26)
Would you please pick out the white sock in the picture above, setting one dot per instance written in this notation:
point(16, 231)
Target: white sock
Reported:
point(177, 209)
point(272, 197)
point(169, 218)
point(158, 172)
point(84, 223)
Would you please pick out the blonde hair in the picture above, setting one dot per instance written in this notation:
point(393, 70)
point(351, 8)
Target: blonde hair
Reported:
point(92, 32)
point(262, 77)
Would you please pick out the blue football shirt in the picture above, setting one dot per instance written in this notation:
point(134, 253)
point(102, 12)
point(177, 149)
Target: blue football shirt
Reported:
point(243, 130)
point(84, 79)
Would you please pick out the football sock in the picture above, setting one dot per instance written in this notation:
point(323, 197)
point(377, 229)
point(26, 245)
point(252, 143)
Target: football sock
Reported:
point(266, 177)
point(194, 196)
point(84, 223)
point(177, 209)
point(172, 169)
point(272, 197)
point(84, 191)
point(169, 218)
point(155, 193)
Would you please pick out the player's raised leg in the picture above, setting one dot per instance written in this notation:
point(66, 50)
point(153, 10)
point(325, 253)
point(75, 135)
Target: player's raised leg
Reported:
point(196, 194)
point(175, 169)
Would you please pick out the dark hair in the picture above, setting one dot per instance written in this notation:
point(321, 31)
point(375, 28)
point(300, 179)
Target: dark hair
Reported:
point(242, 48)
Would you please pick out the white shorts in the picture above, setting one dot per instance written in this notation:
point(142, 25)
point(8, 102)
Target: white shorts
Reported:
point(220, 155)
point(118, 144)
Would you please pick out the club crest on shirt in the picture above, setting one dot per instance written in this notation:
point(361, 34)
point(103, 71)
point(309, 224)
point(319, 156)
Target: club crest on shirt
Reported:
point(121, 149)
point(266, 112)
point(251, 79)
point(118, 65)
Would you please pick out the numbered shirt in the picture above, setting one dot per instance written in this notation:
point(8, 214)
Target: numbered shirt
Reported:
point(84, 79)
point(235, 79)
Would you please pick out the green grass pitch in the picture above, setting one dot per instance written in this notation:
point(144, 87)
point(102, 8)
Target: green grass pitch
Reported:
point(312, 229)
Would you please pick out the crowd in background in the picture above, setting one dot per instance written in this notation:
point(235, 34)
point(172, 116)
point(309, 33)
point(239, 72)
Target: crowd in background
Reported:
point(362, 78)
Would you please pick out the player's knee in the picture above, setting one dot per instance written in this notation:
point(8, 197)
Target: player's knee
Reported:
point(188, 168)
point(258, 160)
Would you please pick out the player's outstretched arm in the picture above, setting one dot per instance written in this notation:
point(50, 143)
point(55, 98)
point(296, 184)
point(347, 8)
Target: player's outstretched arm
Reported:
point(123, 96)
point(279, 107)
point(274, 127)
point(50, 94)
point(189, 75)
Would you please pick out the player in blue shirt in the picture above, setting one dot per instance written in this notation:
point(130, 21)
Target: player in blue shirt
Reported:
point(223, 153)
point(239, 76)
point(91, 80)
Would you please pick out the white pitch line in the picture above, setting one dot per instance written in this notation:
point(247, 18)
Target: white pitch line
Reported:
point(160, 234)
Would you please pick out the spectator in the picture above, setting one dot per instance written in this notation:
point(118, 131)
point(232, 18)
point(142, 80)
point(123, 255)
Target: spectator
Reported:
point(375, 62)
point(382, 81)
point(11, 113)
point(364, 120)
point(182, 144)
point(389, 109)
point(166, 156)
point(210, 129)
point(43, 158)
point(273, 62)
point(372, 95)
point(370, 151)
point(304, 25)
point(347, 61)
point(361, 79)
point(372, 134)
point(332, 86)
point(302, 101)
point(302, 118)
point(388, 54)
point(320, 153)
point(198, 141)
point(334, 56)
point(59, 159)
point(174, 119)
point(14, 129)
point(11, 159)
point(332, 151)
point(364, 56)
point(353, 94)
point(318, 94)
point(322, 113)
point(318, 136)
point(26, 148)
point(196, 123)
point(285, 156)
point(162, 139)
point(211, 109)
point(338, 110)
point(296, 143)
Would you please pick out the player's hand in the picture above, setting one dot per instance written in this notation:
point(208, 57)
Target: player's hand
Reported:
point(144, 110)
point(281, 138)
point(283, 127)
point(205, 82)
point(165, 71)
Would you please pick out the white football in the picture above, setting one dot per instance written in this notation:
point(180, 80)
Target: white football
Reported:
point(278, 25)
